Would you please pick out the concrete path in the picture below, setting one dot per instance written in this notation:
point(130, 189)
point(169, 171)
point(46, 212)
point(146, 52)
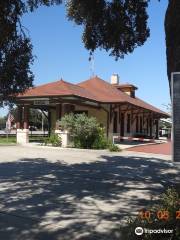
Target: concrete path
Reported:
point(56, 194)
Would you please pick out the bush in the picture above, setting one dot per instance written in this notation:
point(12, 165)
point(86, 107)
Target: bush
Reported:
point(113, 148)
point(54, 140)
point(85, 131)
point(169, 201)
point(101, 141)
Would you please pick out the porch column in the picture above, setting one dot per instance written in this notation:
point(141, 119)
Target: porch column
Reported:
point(58, 114)
point(22, 135)
point(49, 123)
point(26, 117)
point(157, 129)
point(150, 126)
point(64, 135)
point(147, 126)
point(19, 117)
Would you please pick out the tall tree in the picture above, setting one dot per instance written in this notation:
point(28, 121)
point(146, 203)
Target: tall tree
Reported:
point(15, 46)
point(172, 29)
point(118, 26)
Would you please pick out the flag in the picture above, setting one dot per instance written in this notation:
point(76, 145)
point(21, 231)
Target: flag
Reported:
point(9, 121)
point(11, 118)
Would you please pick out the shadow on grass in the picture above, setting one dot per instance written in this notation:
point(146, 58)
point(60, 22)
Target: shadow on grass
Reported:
point(41, 200)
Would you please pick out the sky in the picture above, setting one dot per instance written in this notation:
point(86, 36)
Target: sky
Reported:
point(60, 53)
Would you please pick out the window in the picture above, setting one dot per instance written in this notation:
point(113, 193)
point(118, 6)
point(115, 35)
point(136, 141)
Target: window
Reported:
point(128, 123)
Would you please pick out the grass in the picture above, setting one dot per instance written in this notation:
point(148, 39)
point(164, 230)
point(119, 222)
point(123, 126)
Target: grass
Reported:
point(7, 140)
point(12, 139)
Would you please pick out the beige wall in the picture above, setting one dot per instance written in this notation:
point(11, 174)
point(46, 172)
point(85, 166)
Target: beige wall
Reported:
point(99, 114)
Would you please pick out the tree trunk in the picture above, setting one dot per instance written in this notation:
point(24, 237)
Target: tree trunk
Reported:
point(172, 30)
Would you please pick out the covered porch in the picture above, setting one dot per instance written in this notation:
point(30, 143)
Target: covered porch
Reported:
point(122, 120)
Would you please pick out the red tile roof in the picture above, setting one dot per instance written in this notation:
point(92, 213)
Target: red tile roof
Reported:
point(58, 88)
point(94, 89)
point(108, 93)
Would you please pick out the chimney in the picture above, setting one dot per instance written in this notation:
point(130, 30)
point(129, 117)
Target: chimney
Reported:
point(115, 79)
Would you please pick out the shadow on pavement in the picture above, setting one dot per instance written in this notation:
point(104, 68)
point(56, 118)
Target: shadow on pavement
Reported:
point(41, 200)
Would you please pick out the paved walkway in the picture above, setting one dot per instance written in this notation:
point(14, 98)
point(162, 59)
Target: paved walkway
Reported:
point(163, 148)
point(60, 194)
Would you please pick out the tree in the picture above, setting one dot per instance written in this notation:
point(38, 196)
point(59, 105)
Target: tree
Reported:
point(172, 29)
point(15, 46)
point(118, 26)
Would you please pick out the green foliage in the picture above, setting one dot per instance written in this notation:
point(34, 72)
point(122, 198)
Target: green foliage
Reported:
point(53, 140)
point(169, 201)
point(113, 148)
point(15, 47)
point(86, 131)
point(101, 141)
point(68, 122)
point(7, 140)
point(116, 26)
point(15, 50)
point(2, 123)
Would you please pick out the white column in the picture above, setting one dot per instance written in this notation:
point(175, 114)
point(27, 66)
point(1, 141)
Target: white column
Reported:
point(64, 137)
point(22, 136)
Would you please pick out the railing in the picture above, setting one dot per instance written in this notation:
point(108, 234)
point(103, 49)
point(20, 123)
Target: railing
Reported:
point(31, 133)
point(140, 139)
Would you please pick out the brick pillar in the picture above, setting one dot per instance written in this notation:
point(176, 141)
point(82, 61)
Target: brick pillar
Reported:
point(26, 117)
point(19, 117)
point(22, 134)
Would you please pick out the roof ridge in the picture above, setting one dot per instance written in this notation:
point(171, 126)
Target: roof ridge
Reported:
point(45, 84)
point(89, 79)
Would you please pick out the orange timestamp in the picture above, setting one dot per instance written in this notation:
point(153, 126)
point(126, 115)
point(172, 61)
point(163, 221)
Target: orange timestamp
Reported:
point(161, 215)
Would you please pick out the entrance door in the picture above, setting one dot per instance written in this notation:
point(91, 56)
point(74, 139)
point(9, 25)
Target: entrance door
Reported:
point(122, 125)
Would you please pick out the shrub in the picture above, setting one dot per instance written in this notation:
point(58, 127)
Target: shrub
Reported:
point(85, 131)
point(113, 148)
point(101, 141)
point(54, 140)
point(67, 122)
point(169, 201)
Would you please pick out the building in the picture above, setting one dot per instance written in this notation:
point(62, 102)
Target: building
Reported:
point(115, 106)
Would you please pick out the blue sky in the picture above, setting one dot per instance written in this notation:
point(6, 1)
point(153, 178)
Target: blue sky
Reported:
point(60, 54)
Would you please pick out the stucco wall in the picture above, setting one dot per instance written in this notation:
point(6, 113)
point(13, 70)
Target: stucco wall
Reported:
point(99, 114)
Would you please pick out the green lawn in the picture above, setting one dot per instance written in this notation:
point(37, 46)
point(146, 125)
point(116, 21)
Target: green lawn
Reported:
point(12, 139)
point(7, 140)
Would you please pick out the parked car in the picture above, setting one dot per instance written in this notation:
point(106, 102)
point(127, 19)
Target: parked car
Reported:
point(32, 128)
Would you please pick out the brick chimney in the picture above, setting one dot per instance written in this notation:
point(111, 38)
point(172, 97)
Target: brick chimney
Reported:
point(115, 79)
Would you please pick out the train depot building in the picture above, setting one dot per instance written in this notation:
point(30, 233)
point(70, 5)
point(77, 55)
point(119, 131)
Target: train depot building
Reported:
point(114, 104)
